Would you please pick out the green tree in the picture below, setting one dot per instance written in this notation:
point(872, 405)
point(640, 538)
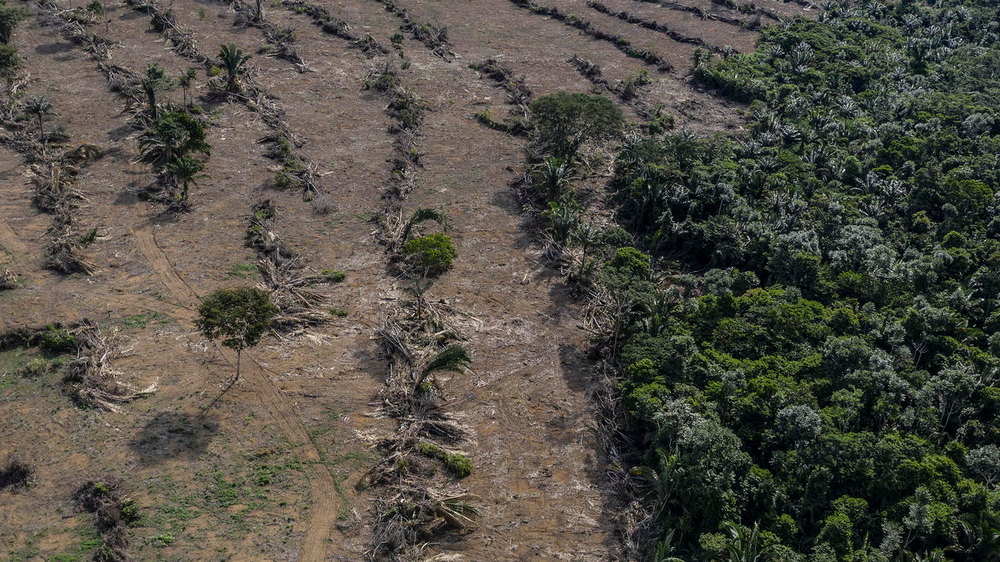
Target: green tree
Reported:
point(564, 122)
point(40, 107)
point(239, 317)
point(432, 253)
point(10, 16)
point(234, 63)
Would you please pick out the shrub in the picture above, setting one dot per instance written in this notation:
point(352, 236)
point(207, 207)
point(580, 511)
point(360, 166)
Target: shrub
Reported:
point(56, 340)
point(429, 449)
point(632, 261)
point(615, 237)
point(458, 464)
point(433, 253)
point(333, 276)
point(36, 367)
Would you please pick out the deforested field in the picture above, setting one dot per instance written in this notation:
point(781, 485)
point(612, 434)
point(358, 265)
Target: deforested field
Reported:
point(515, 280)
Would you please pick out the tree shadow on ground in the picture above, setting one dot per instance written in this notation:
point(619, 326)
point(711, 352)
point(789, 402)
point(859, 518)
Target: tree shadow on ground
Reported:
point(174, 435)
point(56, 48)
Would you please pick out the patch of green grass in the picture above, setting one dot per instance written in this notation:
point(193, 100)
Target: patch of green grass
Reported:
point(162, 540)
point(140, 321)
point(224, 492)
point(242, 270)
point(333, 276)
point(337, 312)
point(90, 542)
point(28, 550)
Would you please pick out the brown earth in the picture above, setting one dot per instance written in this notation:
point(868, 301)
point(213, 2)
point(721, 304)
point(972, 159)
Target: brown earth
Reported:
point(265, 470)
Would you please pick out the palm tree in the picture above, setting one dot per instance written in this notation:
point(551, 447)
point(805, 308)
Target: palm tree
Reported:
point(556, 174)
point(187, 172)
point(154, 80)
point(234, 63)
point(174, 136)
point(185, 82)
point(39, 106)
point(744, 544)
point(586, 235)
point(418, 290)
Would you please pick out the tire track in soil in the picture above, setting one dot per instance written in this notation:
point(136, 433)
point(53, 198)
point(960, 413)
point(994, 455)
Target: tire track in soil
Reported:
point(325, 499)
point(10, 241)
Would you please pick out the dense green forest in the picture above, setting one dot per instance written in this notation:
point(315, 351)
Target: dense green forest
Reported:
point(807, 324)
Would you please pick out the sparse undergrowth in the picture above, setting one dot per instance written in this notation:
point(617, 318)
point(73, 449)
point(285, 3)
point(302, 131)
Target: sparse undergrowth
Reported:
point(113, 513)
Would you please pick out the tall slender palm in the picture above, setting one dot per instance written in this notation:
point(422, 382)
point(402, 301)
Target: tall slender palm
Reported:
point(154, 80)
point(234, 63)
point(419, 290)
point(744, 545)
point(185, 81)
point(187, 172)
point(40, 107)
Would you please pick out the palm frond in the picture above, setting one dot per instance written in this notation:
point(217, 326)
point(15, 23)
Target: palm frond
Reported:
point(421, 215)
point(452, 358)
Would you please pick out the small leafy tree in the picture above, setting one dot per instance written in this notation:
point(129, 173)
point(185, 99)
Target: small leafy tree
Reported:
point(239, 317)
point(564, 122)
point(234, 63)
point(40, 107)
point(433, 253)
point(10, 16)
point(154, 80)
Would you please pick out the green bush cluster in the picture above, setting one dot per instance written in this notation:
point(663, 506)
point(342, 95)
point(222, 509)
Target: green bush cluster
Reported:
point(433, 253)
point(56, 340)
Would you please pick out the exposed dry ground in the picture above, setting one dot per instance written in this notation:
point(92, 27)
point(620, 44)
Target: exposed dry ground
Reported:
point(265, 470)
